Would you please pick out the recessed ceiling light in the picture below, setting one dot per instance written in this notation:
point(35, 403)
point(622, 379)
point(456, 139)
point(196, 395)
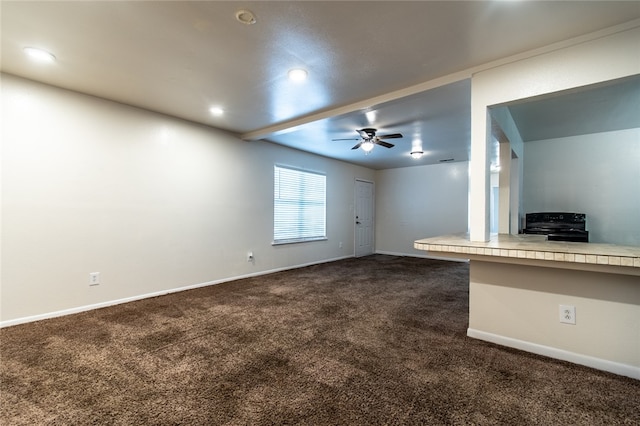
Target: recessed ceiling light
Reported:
point(246, 17)
point(216, 110)
point(416, 154)
point(39, 54)
point(371, 116)
point(297, 74)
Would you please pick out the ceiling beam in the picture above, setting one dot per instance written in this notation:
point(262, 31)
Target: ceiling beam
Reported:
point(287, 126)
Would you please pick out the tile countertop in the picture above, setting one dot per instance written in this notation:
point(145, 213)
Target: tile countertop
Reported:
point(534, 247)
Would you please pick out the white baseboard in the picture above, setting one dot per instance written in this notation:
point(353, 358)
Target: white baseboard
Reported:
point(422, 256)
point(551, 352)
point(85, 308)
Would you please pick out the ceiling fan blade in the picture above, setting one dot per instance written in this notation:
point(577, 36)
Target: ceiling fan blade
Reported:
point(357, 146)
point(391, 136)
point(346, 139)
point(385, 144)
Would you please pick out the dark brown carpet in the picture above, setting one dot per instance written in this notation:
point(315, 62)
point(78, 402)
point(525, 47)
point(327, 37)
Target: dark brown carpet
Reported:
point(375, 340)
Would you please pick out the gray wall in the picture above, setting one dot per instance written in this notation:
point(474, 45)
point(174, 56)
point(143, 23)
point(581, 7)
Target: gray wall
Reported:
point(151, 202)
point(597, 174)
point(420, 202)
point(158, 204)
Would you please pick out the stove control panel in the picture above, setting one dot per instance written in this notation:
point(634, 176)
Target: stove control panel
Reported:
point(556, 217)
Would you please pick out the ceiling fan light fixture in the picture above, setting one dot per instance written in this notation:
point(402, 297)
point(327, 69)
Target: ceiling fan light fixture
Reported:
point(367, 146)
point(416, 154)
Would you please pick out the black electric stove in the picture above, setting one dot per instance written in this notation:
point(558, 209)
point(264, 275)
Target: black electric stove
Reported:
point(558, 226)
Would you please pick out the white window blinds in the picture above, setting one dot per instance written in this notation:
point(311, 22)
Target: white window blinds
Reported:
point(299, 201)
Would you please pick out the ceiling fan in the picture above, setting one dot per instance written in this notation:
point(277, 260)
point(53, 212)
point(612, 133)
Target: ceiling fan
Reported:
point(369, 139)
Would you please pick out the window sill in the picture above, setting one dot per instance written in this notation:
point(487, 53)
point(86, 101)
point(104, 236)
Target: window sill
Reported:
point(297, 240)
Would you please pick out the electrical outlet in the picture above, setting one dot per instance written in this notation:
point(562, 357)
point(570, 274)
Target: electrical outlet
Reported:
point(340, 244)
point(250, 256)
point(567, 314)
point(94, 278)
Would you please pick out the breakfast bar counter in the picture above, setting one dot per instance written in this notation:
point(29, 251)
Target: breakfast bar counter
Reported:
point(536, 250)
point(522, 286)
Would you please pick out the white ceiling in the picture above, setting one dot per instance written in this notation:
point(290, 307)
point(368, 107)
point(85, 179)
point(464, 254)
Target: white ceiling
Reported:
point(390, 57)
point(603, 107)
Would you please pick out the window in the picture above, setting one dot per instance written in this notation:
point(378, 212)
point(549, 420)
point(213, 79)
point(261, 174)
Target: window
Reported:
point(299, 201)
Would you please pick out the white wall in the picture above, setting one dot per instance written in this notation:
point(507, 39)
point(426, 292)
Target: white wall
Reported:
point(596, 174)
point(501, 296)
point(512, 183)
point(151, 202)
point(420, 202)
point(519, 306)
point(574, 63)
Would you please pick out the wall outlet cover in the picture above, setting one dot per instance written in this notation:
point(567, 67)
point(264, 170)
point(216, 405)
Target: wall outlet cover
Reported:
point(94, 278)
point(567, 314)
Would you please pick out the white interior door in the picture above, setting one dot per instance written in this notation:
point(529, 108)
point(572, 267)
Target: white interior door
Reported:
point(365, 225)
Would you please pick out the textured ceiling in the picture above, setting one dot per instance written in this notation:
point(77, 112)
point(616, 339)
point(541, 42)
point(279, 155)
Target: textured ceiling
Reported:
point(600, 108)
point(181, 58)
